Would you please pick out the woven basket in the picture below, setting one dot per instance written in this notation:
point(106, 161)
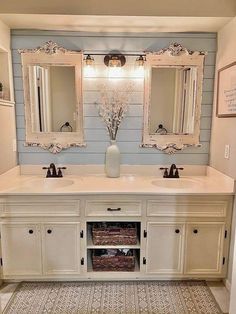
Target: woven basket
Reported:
point(113, 263)
point(115, 235)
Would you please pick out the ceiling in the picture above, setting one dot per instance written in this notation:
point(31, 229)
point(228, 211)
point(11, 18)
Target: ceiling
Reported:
point(114, 16)
point(214, 8)
point(119, 24)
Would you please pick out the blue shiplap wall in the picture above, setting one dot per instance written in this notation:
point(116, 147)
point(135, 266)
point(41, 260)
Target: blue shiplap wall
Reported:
point(130, 133)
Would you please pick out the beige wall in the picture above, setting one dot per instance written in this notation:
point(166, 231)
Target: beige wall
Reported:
point(8, 157)
point(4, 36)
point(224, 129)
point(233, 269)
point(5, 43)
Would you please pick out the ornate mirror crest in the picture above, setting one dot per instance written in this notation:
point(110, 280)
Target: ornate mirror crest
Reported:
point(172, 98)
point(176, 49)
point(49, 47)
point(52, 77)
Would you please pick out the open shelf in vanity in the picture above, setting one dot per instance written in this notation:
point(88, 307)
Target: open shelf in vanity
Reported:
point(112, 253)
point(135, 270)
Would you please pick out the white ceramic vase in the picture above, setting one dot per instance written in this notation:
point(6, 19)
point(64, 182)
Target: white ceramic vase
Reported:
point(112, 163)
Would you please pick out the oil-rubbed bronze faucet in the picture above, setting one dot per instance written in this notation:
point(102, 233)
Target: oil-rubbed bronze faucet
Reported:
point(52, 171)
point(173, 172)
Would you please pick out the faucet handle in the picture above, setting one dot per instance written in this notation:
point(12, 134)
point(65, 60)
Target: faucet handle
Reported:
point(177, 171)
point(59, 174)
point(165, 175)
point(48, 175)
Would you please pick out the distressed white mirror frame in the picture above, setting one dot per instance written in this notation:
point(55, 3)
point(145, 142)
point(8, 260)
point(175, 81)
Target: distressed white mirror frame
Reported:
point(52, 54)
point(173, 56)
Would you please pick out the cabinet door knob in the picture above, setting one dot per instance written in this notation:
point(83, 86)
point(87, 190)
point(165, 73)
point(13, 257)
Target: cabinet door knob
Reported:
point(177, 231)
point(49, 231)
point(31, 231)
point(113, 209)
point(195, 231)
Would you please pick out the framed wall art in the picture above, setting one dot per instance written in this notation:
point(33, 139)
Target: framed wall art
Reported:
point(226, 92)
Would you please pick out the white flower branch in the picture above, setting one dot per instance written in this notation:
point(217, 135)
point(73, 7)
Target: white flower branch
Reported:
point(113, 106)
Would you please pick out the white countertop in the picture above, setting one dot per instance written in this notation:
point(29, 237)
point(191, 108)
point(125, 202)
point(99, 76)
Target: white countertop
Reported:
point(210, 181)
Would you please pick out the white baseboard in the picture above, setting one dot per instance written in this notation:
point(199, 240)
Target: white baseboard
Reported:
point(227, 284)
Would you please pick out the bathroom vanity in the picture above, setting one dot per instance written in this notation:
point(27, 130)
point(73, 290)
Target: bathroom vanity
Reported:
point(183, 225)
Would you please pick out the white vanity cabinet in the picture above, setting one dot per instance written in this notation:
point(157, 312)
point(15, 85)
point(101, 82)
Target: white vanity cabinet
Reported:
point(40, 249)
point(61, 248)
point(188, 236)
point(178, 236)
point(21, 249)
point(185, 249)
point(41, 237)
point(204, 248)
point(164, 248)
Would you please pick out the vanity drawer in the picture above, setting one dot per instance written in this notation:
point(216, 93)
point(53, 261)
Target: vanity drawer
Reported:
point(45, 209)
point(113, 208)
point(187, 206)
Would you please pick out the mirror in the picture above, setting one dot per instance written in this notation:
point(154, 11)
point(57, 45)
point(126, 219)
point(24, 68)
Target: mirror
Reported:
point(53, 98)
point(52, 79)
point(173, 98)
point(173, 88)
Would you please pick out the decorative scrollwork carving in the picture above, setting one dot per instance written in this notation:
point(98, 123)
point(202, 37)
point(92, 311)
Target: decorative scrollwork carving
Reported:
point(54, 148)
point(169, 148)
point(176, 49)
point(49, 47)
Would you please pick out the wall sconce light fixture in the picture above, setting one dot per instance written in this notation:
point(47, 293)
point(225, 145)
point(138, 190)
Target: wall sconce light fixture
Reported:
point(140, 61)
point(89, 70)
point(89, 60)
point(115, 60)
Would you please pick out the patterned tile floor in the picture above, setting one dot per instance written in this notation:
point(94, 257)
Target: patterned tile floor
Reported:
point(219, 291)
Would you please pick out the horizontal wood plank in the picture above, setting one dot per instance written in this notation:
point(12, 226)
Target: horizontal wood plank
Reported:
point(130, 133)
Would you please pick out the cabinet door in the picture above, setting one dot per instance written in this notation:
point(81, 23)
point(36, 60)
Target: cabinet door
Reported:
point(21, 249)
point(204, 248)
point(61, 248)
point(164, 248)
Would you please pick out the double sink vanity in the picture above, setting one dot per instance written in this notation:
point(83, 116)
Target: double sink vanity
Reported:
point(183, 224)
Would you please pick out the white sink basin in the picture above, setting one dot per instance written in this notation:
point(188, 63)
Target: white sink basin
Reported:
point(50, 183)
point(181, 183)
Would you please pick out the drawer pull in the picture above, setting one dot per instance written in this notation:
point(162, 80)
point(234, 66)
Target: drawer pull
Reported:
point(31, 231)
point(195, 231)
point(177, 231)
point(49, 231)
point(114, 209)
